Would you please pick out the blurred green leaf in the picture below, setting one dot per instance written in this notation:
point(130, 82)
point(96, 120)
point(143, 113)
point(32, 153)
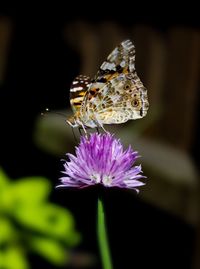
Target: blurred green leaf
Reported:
point(50, 220)
point(24, 192)
point(32, 190)
point(3, 180)
point(13, 258)
point(24, 211)
point(7, 232)
point(52, 134)
point(53, 251)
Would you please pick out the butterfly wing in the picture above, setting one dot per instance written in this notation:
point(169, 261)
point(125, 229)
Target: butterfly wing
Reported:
point(78, 90)
point(120, 60)
point(117, 94)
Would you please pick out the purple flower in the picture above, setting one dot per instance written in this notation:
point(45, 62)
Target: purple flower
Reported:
point(100, 159)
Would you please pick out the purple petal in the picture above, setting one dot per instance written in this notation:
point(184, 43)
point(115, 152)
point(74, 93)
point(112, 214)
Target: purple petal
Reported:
point(101, 159)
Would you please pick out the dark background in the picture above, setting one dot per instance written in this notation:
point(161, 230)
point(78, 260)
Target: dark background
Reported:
point(39, 71)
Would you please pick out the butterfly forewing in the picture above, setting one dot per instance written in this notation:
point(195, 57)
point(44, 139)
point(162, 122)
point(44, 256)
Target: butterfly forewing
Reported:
point(78, 90)
point(120, 60)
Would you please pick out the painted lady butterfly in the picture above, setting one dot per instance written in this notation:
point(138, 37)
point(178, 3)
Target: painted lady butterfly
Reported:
point(115, 95)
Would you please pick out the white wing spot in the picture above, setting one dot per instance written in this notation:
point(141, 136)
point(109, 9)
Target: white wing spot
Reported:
point(106, 65)
point(76, 89)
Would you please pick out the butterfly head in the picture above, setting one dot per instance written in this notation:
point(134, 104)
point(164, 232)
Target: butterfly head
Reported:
point(73, 121)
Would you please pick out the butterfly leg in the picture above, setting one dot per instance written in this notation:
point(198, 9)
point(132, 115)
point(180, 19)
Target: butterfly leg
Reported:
point(97, 128)
point(83, 127)
point(99, 124)
point(79, 129)
point(75, 138)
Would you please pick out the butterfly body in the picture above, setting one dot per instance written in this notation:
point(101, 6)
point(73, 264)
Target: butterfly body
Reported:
point(114, 96)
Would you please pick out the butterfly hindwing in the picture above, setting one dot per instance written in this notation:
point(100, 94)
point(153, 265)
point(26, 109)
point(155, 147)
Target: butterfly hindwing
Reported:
point(117, 94)
point(121, 99)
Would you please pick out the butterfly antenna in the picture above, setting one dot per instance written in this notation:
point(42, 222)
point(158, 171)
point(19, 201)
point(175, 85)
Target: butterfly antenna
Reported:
point(47, 111)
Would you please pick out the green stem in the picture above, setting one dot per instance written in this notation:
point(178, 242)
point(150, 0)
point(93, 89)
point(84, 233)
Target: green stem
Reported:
point(102, 237)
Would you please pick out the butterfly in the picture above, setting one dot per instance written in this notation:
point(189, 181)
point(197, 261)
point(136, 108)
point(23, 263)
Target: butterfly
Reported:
point(115, 95)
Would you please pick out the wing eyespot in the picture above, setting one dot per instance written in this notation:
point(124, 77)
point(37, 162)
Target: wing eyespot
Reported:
point(127, 87)
point(135, 103)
